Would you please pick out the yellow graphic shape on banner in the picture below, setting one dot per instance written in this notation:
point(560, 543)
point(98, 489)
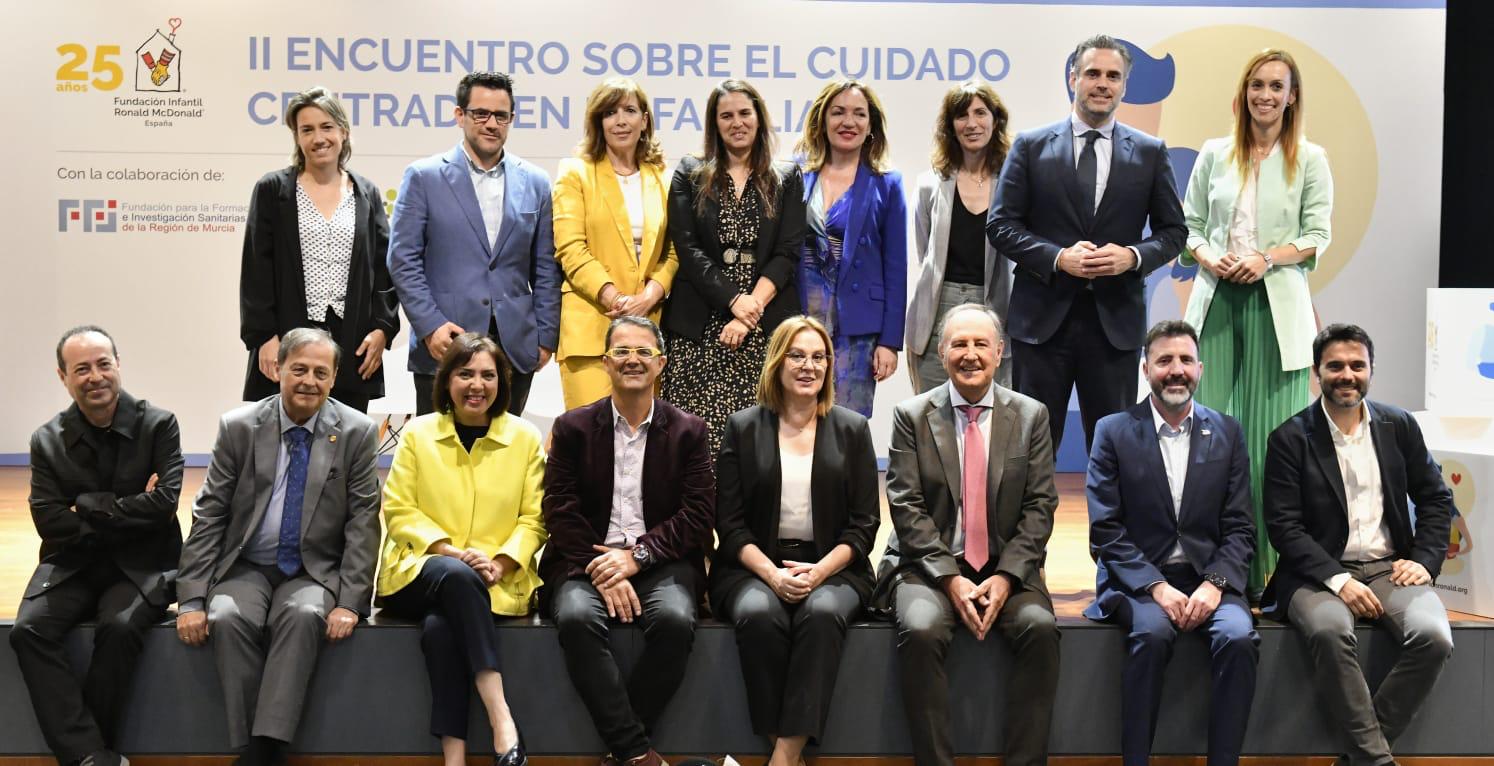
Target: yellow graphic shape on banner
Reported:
point(1209, 61)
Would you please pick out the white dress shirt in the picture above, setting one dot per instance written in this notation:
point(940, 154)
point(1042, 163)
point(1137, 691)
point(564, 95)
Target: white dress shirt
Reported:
point(1364, 495)
point(1176, 447)
point(957, 546)
point(626, 523)
point(489, 186)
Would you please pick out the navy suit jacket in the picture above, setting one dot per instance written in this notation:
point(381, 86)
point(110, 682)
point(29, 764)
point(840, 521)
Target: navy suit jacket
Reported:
point(446, 270)
point(871, 294)
point(1132, 523)
point(1306, 510)
point(1038, 212)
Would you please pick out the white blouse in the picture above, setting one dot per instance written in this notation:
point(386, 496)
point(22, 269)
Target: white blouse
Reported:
point(794, 519)
point(326, 252)
point(632, 189)
point(1242, 227)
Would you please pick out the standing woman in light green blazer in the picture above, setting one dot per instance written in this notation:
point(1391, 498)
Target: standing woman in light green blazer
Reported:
point(1258, 207)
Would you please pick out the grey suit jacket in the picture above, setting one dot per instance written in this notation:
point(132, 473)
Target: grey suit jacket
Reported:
point(931, 216)
point(923, 490)
point(340, 515)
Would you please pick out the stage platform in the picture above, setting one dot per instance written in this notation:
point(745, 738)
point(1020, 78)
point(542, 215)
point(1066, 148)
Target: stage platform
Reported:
point(369, 699)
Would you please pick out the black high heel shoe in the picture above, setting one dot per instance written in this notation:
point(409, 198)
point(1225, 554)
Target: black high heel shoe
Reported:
point(516, 756)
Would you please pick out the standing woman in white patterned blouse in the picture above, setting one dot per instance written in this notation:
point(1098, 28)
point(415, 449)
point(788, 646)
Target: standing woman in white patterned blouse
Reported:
point(314, 249)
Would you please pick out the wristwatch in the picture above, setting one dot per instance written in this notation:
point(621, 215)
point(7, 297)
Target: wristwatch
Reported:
point(642, 556)
point(1217, 580)
point(1270, 264)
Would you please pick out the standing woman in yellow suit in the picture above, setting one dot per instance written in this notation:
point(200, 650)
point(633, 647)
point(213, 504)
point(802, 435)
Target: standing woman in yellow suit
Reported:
point(610, 233)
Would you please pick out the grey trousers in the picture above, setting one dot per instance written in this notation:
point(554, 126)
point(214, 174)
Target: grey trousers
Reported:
point(926, 623)
point(266, 632)
point(1414, 615)
point(926, 368)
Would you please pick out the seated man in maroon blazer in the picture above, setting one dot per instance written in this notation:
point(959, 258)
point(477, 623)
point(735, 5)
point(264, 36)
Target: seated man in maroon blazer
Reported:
point(629, 504)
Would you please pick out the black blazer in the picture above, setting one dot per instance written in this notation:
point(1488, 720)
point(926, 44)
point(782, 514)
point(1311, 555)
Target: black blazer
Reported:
point(272, 287)
point(844, 495)
point(700, 289)
point(81, 520)
point(1306, 509)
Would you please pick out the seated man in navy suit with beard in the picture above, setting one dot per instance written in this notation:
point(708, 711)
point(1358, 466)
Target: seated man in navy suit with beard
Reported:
point(1170, 525)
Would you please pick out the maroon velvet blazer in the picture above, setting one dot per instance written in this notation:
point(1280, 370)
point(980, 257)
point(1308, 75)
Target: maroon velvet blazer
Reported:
point(679, 489)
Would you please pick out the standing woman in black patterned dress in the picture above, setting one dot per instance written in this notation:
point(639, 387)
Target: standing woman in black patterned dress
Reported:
point(737, 226)
point(314, 252)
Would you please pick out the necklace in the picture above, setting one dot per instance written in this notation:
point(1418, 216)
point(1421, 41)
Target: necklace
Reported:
point(980, 180)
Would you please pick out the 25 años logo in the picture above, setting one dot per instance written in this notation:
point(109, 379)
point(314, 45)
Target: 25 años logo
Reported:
point(157, 65)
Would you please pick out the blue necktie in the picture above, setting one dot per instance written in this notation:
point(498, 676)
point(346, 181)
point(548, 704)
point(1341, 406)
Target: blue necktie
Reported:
point(288, 550)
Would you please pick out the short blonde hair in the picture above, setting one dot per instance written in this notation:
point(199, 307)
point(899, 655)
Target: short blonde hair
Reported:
point(606, 96)
point(770, 388)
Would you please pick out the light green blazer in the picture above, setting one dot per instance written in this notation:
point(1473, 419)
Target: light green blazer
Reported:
point(1297, 214)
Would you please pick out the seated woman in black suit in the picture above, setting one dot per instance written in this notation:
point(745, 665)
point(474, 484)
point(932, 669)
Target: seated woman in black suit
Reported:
point(796, 512)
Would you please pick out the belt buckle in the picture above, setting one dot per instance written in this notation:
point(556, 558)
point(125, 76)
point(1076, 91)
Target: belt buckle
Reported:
point(732, 255)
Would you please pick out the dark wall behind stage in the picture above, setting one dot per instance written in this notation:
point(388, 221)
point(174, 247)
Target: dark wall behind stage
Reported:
point(1468, 147)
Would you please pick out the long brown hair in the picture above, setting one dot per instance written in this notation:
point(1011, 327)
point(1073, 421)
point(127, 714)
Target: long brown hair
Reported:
point(713, 153)
point(605, 97)
point(947, 152)
point(1291, 117)
point(815, 145)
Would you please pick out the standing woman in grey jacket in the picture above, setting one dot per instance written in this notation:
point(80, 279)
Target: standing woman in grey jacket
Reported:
point(956, 263)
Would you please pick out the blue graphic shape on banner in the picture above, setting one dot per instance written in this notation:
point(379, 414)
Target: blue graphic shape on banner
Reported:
point(1484, 349)
point(1150, 81)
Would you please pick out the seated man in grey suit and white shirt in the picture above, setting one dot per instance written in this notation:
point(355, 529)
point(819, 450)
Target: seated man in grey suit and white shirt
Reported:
point(285, 535)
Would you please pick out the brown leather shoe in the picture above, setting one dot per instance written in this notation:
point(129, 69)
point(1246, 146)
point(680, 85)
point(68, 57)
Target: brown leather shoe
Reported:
point(651, 758)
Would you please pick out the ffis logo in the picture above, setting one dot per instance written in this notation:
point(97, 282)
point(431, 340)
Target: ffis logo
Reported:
point(96, 215)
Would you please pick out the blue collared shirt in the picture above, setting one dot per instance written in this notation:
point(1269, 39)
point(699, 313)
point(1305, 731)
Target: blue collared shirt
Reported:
point(489, 186)
point(264, 541)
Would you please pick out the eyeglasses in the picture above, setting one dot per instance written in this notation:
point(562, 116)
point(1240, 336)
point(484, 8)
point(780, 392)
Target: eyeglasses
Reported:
point(642, 352)
point(481, 116)
point(801, 359)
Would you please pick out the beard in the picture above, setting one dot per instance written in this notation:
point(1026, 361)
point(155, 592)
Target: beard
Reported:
point(1174, 399)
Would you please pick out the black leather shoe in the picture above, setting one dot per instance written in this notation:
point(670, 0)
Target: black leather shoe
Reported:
point(515, 755)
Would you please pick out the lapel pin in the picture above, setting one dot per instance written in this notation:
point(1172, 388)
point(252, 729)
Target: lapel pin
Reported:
point(332, 438)
point(1204, 432)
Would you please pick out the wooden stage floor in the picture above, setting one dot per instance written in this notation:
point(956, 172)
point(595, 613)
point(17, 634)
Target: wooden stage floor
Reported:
point(1071, 573)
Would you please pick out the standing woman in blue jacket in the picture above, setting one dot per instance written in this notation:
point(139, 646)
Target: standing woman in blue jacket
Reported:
point(1258, 207)
point(853, 275)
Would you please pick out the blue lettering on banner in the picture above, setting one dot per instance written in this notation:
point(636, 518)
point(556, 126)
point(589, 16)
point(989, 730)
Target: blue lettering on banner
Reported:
point(396, 110)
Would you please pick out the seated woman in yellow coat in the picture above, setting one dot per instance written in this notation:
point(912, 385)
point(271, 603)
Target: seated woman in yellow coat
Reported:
point(610, 205)
point(462, 508)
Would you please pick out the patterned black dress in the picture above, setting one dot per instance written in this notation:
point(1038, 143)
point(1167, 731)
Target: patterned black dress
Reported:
point(704, 377)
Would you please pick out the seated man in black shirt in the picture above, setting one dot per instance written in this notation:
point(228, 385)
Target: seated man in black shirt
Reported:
point(106, 474)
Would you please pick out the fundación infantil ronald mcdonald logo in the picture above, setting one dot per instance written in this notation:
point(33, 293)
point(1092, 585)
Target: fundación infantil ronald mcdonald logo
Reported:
point(158, 62)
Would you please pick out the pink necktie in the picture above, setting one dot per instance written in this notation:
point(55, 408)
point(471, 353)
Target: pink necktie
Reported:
point(974, 491)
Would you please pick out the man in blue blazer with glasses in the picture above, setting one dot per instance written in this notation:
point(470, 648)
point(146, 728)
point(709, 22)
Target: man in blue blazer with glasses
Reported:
point(471, 248)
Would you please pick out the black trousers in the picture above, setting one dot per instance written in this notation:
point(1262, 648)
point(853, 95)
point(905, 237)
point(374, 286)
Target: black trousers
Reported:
point(518, 394)
point(625, 711)
point(78, 719)
point(926, 622)
point(1077, 356)
point(457, 635)
point(790, 653)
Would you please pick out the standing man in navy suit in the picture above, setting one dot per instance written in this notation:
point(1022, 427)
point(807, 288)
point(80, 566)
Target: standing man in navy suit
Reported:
point(1071, 210)
point(471, 247)
point(1170, 523)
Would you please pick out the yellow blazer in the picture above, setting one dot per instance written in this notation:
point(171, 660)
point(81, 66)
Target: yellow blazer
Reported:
point(594, 245)
point(489, 500)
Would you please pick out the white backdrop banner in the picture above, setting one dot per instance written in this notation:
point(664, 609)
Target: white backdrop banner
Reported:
point(140, 128)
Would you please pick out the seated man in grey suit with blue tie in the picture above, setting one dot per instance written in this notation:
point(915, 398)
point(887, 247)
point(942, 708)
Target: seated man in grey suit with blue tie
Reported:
point(472, 248)
point(285, 534)
point(1170, 524)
